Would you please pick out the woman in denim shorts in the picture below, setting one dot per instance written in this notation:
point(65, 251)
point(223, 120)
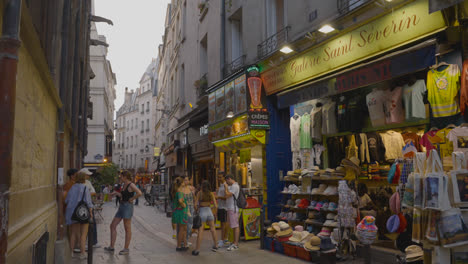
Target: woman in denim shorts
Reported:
point(205, 198)
point(128, 195)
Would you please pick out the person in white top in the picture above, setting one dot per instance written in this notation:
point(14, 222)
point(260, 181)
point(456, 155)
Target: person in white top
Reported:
point(231, 191)
point(222, 213)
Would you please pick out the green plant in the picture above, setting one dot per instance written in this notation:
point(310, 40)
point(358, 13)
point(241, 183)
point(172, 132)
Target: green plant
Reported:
point(108, 174)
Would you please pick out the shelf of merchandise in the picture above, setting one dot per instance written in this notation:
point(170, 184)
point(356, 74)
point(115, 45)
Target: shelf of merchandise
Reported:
point(326, 179)
point(301, 194)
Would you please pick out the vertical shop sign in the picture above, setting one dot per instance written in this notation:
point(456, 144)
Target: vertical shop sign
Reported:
point(220, 110)
point(212, 107)
point(229, 97)
point(241, 96)
point(259, 117)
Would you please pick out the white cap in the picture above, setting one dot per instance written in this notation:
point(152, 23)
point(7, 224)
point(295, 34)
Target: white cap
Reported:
point(85, 171)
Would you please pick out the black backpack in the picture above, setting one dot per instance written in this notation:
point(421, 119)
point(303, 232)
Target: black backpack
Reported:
point(81, 212)
point(241, 200)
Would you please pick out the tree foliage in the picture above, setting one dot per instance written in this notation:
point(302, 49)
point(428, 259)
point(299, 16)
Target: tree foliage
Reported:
point(107, 174)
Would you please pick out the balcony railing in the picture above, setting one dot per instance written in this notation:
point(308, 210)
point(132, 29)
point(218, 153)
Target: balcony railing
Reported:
point(201, 85)
point(273, 43)
point(347, 6)
point(234, 66)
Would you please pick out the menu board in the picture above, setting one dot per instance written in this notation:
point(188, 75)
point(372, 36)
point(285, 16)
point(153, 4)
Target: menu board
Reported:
point(229, 95)
point(220, 110)
point(240, 93)
point(212, 108)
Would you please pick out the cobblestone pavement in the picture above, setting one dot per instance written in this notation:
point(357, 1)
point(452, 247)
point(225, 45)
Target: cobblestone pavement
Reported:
point(152, 243)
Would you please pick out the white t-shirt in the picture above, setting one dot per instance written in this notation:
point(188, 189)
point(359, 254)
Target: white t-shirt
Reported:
point(375, 103)
point(221, 193)
point(459, 137)
point(105, 190)
point(230, 204)
point(90, 187)
point(413, 100)
point(295, 126)
point(394, 144)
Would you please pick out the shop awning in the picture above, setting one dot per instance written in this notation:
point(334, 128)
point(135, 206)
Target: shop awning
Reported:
point(250, 139)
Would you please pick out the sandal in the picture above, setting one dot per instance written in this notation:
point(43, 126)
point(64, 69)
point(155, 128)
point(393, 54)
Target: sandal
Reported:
point(109, 249)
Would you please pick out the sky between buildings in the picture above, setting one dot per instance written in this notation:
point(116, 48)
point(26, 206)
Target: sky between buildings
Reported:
point(133, 39)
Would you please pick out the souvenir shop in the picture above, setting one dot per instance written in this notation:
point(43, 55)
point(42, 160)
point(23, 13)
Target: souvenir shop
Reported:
point(378, 149)
point(238, 124)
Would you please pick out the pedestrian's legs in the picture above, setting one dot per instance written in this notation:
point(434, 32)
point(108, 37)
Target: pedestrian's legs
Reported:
point(199, 237)
point(182, 235)
point(113, 230)
point(224, 231)
point(128, 232)
point(236, 236)
point(136, 201)
point(190, 222)
point(74, 235)
point(84, 235)
point(174, 231)
point(213, 231)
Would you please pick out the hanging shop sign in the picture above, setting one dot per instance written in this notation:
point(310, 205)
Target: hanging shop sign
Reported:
point(157, 151)
point(259, 117)
point(229, 128)
point(397, 28)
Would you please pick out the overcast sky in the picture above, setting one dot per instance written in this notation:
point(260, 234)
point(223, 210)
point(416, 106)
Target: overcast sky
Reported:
point(133, 39)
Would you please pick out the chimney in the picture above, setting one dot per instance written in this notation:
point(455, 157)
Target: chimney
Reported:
point(128, 96)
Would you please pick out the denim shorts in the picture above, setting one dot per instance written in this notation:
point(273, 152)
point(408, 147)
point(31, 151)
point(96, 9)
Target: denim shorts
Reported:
point(206, 214)
point(125, 210)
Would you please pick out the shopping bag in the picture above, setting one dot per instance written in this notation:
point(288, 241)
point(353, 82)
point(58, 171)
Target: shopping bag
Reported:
point(458, 182)
point(452, 228)
point(417, 234)
point(431, 228)
point(435, 184)
point(408, 196)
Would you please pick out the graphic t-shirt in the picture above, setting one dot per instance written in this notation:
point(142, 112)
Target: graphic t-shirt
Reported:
point(316, 122)
point(427, 140)
point(295, 127)
point(341, 114)
point(459, 138)
point(442, 87)
point(329, 118)
point(413, 99)
point(354, 113)
point(376, 147)
point(305, 139)
point(375, 104)
point(394, 107)
point(336, 150)
point(412, 137)
point(394, 144)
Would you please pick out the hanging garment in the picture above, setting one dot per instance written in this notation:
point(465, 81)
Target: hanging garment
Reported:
point(459, 137)
point(376, 147)
point(336, 151)
point(316, 123)
point(426, 141)
point(351, 149)
point(355, 113)
point(412, 137)
point(361, 140)
point(394, 144)
point(318, 150)
point(329, 118)
point(413, 100)
point(394, 107)
point(464, 87)
point(375, 104)
point(443, 86)
point(305, 139)
point(341, 108)
point(295, 127)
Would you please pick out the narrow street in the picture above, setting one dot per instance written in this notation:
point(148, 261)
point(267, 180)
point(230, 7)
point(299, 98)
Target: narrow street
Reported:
point(152, 243)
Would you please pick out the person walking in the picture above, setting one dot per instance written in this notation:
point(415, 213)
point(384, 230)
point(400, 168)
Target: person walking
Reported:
point(92, 191)
point(231, 192)
point(128, 195)
point(105, 191)
point(180, 213)
point(77, 193)
point(222, 213)
point(203, 201)
point(188, 191)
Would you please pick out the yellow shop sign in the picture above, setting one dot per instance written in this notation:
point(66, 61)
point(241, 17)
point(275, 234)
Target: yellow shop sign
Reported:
point(394, 29)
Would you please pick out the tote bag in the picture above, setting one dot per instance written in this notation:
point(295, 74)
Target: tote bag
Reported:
point(419, 168)
point(81, 213)
point(435, 184)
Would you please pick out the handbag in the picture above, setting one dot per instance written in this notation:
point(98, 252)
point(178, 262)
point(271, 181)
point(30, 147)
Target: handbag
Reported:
point(81, 213)
point(196, 222)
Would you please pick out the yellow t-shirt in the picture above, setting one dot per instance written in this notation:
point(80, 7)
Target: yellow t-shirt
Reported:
point(443, 87)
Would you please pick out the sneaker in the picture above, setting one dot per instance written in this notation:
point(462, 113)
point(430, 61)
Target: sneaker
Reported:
point(227, 243)
point(214, 249)
point(83, 256)
point(76, 250)
point(220, 243)
point(189, 244)
point(233, 248)
point(109, 249)
point(124, 251)
point(195, 253)
point(97, 246)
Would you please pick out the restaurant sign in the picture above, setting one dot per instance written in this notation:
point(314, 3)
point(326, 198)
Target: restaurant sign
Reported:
point(394, 29)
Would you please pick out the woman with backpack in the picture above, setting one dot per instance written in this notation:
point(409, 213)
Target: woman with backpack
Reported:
point(128, 195)
point(203, 201)
point(77, 201)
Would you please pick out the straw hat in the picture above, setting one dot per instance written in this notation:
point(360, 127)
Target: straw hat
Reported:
point(276, 227)
point(313, 244)
point(414, 253)
point(296, 236)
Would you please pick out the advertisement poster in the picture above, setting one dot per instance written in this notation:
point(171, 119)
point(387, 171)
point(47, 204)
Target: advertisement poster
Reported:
point(212, 108)
point(240, 93)
point(229, 95)
point(220, 110)
point(251, 221)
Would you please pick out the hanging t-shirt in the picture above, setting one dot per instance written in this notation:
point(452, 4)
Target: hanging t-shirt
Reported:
point(317, 150)
point(361, 141)
point(459, 138)
point(296, 160)
point(412, 137)
point(394, 107)
point(305, 139)
point(354, 113)
point(336, 151)
point(442, 87)
point(341, 114)
point(413, 99)
point(394, 144)
point(329, 118)
point(426, 141)
point(376, 147)
point(307, 157)
point(316, 122)
point(295, 127)
point(352, 148)
point(445, 146)
point(464, 87)
point(375, 104)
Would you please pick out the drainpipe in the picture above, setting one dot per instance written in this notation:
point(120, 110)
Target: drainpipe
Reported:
point(223, 37)
point(61, 122)
point(9, 46)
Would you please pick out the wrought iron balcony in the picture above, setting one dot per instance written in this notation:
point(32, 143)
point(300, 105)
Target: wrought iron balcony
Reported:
point(347, 6)
point(234, 66)
point(273, 43)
